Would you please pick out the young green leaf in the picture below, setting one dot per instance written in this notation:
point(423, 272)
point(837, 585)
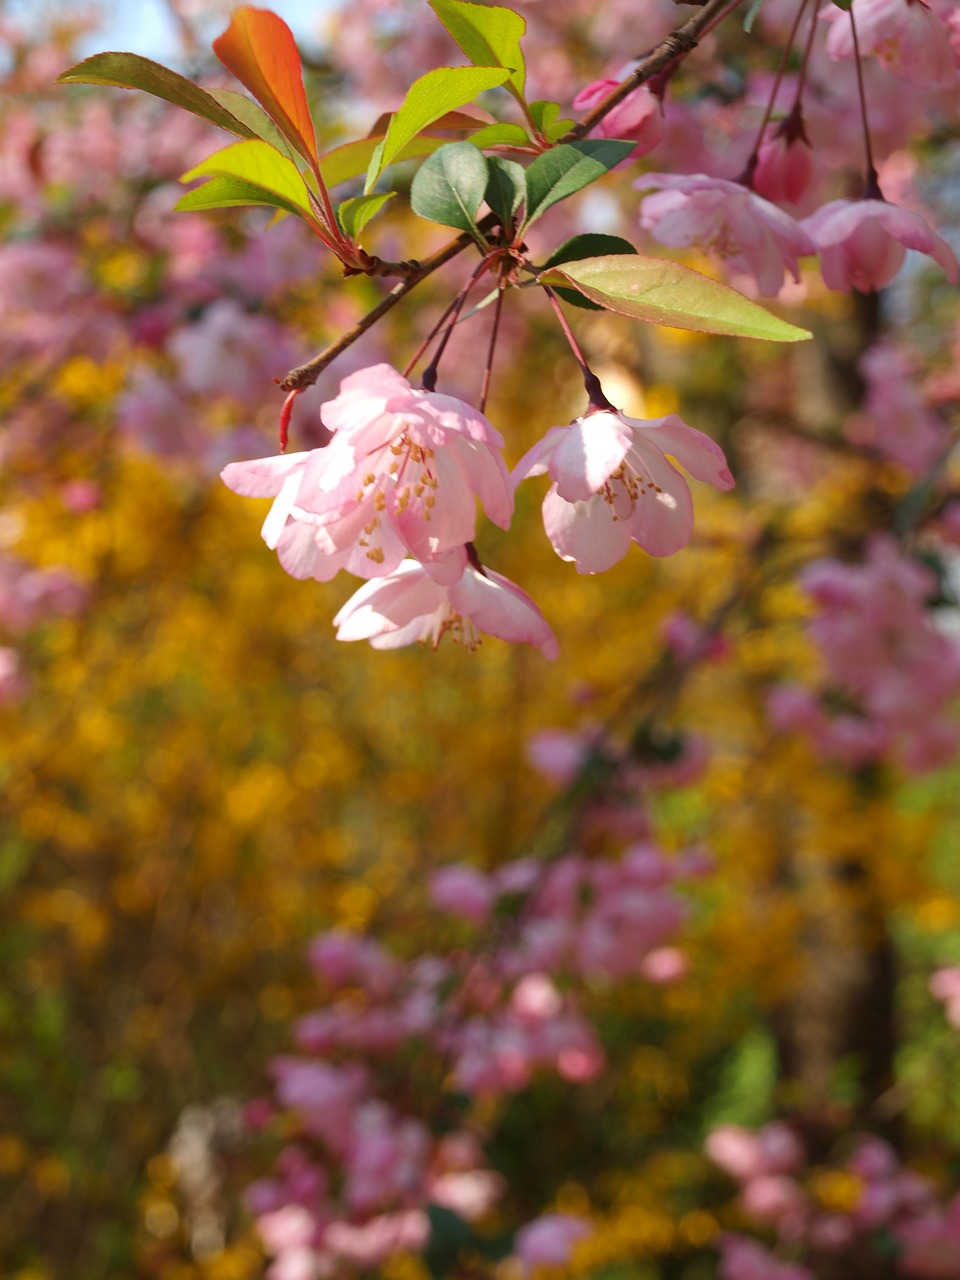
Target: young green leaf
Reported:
point(588, 244)
point(488, 34)
point(501, 135)
point(449, 186)
point(506, 188)
point(130, 71)
point(225, 191)
point(259, 163)
point(664, 292)
point(429, 98)
point(354, 214)
point(560, 172)
point(254, 117)
point(352, 159)
point(546, 116)
point(259, 48)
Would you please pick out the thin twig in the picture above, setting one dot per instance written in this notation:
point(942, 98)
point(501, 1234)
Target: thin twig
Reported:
point(305, 375)
point(676, 46)
point(491, 350)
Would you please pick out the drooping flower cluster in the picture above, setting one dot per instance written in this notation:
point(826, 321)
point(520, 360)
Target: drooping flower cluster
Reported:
point(893, 673)
point(400, 478)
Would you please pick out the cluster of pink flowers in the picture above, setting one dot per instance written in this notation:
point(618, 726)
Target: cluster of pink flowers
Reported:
point(392, 498)
point(770, 1167)
point(362, 1167)
point(861, 243)
point(892, 671)
point(400, 478)
point(895, 419)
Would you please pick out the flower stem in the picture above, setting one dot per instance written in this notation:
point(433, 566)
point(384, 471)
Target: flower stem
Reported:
point(872, 187)
point(747, 176)
point(449, 318)
point(488, 370)
point(590, 380)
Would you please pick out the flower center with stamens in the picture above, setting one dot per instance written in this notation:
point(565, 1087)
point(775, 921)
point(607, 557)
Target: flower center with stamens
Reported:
point(624, 486)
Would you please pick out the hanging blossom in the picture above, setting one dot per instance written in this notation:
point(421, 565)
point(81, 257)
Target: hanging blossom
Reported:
point(613, 485)
point(905, 36)
point(400, 477)
point(785, 164)
point(409, 605)
point(736, 224)
point(863, 243)
point(638, 117)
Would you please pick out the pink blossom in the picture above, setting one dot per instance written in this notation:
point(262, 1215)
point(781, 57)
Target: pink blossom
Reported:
point(289, 1234)
point(931, 1244)
point(944, 985)
point(664, 965)
point(399, 477)
point(13, 683)
point(750, 233)
point(785, 165)
point(408, 605)
point(638, 117)
point(613, 485)
point(744, 1259)
point(463, 891)
point(558, 754)
point(471, 1193)
point(863, 243)
point(894, 418)
point(408, 458)
point(688, 641)
point(345, 959)
point(905, 36)
point(370, 1243)
point(549, 1240)
point(775, 1198)
point(745, 1155)
point(386, 1158)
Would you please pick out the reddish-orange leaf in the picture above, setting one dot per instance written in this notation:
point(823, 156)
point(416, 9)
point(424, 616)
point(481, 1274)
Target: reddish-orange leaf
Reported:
point(259, 48)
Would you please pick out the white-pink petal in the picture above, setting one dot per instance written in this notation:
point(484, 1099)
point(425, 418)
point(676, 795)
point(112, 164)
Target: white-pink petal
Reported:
point(588, 454)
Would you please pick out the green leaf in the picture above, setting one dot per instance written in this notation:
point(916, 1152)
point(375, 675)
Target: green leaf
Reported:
point(429, 98)
point(545, 115)
point(450, 185)
point(261, 164)
point(506, 188)
point(561, 171)
point(354, 214)
point(488, 34)
point(353, 158)
point(130, 71)
point(843, 4)
point(664, 292)
point(589, 244)
point(501, 135)
point(225, 191)
point(254, 117)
